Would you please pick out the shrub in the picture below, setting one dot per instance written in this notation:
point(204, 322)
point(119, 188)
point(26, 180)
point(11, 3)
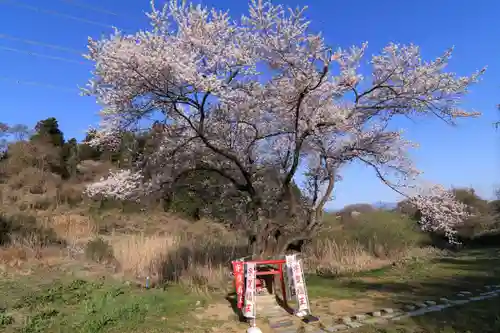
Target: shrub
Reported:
point(99, 251)
point(5, 319)
point(380, 233)
point(70, 194)
point(42, 202)
point(367, 241)
point(385, 233)
point(329, 257)
point(25, 229)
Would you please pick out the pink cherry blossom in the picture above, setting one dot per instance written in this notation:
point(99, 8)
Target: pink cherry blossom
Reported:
point(262, 92)
point(440, 211)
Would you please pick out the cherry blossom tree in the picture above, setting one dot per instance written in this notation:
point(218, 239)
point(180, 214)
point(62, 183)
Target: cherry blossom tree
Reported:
point(240, 98)
point(4, 129)
point(440, 210)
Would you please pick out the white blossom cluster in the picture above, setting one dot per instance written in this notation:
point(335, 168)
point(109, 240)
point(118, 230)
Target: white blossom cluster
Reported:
point(4, 129)
point(118, 185)
point(239, 97)
point(439, 209)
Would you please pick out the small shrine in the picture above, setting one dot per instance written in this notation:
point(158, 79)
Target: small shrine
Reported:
point(255, 279)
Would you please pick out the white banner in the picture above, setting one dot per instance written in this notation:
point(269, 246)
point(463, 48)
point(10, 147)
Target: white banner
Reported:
point(307, 306)
point(249, 308)
point(290, 288)
point(300, 287)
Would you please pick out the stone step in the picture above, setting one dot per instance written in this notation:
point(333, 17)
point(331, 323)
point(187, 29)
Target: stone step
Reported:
point(265, 297)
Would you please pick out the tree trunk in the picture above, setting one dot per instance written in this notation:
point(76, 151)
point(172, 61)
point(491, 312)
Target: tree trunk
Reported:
point(262, 245)
point(276, 243)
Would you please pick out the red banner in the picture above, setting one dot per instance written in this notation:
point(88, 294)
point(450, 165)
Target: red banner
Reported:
point(239, 281)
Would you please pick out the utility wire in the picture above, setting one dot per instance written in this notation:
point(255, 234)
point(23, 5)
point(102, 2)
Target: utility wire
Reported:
point(34, 42)
point(40, 55)
point(92, 8)
point(40, 84)
point(55, 13)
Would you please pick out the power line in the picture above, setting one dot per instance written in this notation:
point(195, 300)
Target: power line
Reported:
point(40, 84)
point(55, 13)
point(34, 54)
point(34, 42)
point(92, 8)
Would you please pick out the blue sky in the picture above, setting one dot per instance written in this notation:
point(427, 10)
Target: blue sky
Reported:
point(467, 155)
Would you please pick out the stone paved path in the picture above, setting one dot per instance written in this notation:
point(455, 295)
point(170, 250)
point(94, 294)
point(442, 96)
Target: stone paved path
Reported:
point(279, 319)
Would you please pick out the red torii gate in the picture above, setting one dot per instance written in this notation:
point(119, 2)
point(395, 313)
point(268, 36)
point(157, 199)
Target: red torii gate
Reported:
point(279, 271)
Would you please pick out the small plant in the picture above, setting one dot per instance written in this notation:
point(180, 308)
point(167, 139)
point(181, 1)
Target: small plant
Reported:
point(5, 319)
point(99, 250)
point(39, 322)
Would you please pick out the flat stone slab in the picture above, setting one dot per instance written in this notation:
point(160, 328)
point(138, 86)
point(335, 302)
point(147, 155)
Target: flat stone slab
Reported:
point(459, 302)
point(336, 328)
point(360, 317)
point(281, 324)
point(376, 314)
point(279, 318)
point(312, 329)
point(403, 316)
point(372, 321)
point(391, 315)
point(287, 330)
point(354, 324)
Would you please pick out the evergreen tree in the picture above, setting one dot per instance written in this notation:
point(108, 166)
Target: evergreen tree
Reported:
point(70, 156)
point(48, 131)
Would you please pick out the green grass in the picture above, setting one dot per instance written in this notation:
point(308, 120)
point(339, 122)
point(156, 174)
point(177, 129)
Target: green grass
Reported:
point(84, 306)
point(424, 279)
point(417, 278)
point(480, 317)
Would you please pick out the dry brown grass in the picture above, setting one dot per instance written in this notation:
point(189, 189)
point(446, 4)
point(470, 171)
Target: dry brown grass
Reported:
point(328, 257)
point(13, 255)
point(74, 229)
point(194, 260)
point(138, 255)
